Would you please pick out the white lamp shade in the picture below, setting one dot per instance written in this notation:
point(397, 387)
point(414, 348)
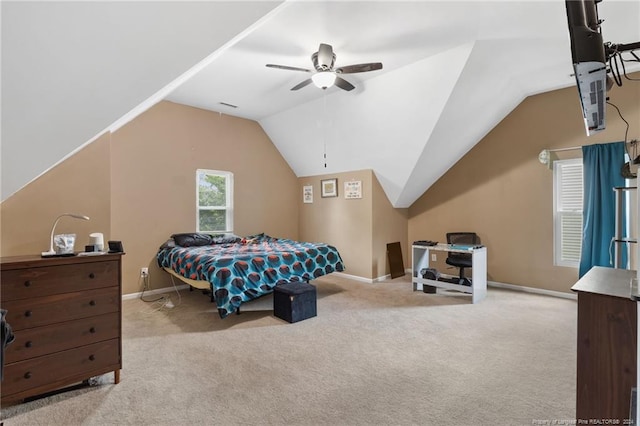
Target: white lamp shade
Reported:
point(323, 79)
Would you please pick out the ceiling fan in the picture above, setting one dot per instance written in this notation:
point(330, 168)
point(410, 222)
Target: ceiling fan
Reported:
point(325, 75)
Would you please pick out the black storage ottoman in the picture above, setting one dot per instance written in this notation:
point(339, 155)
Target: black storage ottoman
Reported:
point(294, 301)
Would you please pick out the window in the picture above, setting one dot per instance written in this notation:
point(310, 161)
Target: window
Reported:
point(215, 201)
point(567, 208)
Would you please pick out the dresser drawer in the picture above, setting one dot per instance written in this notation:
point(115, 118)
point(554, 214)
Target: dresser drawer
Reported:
point(56, 368)
point(49, 280)
point(39, 311)
point(33, 342)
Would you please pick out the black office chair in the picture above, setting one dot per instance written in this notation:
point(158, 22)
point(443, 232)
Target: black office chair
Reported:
point(461, 260)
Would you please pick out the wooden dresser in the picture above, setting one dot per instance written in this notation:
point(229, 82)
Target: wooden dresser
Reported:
point(607, 346)
point(65, 314)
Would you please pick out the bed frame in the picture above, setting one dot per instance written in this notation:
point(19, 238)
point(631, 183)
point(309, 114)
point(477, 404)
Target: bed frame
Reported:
point(199, 284)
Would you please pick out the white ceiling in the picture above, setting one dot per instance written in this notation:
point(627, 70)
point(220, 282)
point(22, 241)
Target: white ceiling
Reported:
point(452, 71)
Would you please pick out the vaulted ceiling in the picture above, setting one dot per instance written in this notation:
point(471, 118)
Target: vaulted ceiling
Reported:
point(452, 71)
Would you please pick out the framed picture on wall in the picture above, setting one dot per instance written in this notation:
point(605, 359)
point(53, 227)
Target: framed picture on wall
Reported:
point(329, 187)
point(307, 194)
point(353, 189)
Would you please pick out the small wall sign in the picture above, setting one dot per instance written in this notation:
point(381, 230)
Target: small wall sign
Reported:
point(353, 189)
point(307, 194)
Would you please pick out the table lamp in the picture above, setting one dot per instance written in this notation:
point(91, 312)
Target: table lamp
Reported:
point(51, 251)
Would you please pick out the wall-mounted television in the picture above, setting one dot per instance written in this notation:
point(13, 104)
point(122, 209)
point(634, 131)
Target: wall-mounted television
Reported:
point(589, 61)
point(590, 58)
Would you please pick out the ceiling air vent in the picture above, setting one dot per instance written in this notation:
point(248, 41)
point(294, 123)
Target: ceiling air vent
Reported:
point(229, 105)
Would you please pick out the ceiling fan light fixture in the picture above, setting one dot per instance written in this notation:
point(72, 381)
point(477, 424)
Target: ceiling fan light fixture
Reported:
point(325, 75)
point(324, 79)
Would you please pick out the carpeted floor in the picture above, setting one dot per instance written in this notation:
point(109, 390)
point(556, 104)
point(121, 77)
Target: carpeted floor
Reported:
point(376, 354)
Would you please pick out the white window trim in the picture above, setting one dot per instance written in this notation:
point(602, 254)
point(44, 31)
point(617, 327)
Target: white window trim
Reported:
point(557, 223)
point(229, 199)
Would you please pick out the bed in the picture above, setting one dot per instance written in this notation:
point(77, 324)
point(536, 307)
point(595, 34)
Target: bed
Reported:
point(237, 269)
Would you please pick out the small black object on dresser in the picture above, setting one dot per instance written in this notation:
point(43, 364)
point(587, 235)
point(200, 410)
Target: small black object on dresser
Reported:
point(294, 301)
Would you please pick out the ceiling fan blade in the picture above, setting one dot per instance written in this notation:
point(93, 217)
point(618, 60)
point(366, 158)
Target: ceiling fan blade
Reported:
point(285, 67)
point(301, 85)
point(350, 69)
point(344, 84)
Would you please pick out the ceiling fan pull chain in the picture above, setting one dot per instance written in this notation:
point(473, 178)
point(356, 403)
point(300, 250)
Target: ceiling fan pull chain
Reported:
point(324, 131)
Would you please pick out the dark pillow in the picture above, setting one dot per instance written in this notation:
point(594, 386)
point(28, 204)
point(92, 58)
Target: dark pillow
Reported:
point(258, 238)
point(191, 239)
point(225, 239)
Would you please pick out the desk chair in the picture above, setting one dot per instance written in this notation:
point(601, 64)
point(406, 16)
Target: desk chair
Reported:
point(461, 260)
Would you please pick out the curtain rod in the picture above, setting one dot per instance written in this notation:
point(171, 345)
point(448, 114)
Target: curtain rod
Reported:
point(573, 148)
point(565, 149)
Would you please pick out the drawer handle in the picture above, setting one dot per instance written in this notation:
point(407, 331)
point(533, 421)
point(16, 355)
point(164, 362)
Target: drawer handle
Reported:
point(92, 357)
point(92, 275)
point(27, 283)
point(92, 330)
point(92, 303)
point(28, 344)
point(27, 314)
point(27, 375)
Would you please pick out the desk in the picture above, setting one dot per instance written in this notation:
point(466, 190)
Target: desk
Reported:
point(478, 289)
point(607, 345)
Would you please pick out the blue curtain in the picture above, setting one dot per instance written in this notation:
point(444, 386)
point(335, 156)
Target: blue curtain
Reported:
point(601, 173)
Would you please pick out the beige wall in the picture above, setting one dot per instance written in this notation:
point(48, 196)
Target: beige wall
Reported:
point(345, 224)
point(390, 225)
point(501, 191)
point(78, 185)
point(153, 166)
point(359, 228)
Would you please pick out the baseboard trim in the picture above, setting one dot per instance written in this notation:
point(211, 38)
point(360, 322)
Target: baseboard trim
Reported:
point(382, 278)
point(534, 290)
point(152, 292)
point(354, 277)
point(363, 279)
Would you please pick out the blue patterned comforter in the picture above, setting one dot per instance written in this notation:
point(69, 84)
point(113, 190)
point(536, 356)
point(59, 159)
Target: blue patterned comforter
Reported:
point(243, 271)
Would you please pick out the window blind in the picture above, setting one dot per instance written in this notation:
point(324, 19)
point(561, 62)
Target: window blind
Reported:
point(568, 212)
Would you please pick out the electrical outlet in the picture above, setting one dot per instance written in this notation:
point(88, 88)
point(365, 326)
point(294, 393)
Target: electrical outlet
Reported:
point(434, 257)
point(144, 272)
